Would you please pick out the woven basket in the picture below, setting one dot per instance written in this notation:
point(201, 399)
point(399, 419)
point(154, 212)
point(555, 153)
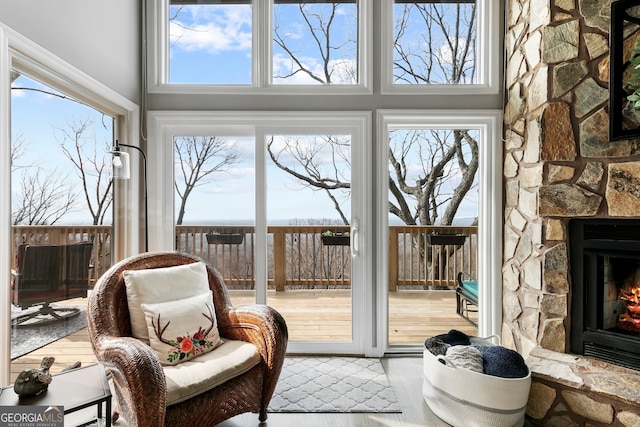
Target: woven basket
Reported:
point(465, 398)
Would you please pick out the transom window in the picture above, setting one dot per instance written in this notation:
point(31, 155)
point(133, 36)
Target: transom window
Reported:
point(315, 42)
point(321, 46)
point(205, 37)
point(247, 44)
point(439, 46)
point(434, 42)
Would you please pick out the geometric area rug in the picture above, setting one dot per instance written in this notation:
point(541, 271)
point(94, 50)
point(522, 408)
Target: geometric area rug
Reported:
point(24, 340)
point(333, 384)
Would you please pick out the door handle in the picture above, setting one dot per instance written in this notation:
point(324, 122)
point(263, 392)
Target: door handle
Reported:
point(355, 249)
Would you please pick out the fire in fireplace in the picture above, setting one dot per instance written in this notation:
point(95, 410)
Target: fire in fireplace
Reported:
point(621, 287)
point(605, 289)
point(629, 317)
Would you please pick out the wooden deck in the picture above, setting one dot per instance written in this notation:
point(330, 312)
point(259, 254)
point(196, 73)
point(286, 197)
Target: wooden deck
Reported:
point(310, 315)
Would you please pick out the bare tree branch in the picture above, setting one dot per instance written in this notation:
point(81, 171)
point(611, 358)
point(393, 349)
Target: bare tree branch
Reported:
point(316, 174)
point(319, 25)
point(44, 198)
point(445, 53)
point(18, 149)
point(198, 158)
point(91, 168)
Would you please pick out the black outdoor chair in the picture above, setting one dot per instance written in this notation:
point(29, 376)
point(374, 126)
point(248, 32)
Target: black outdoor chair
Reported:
point(48, 273)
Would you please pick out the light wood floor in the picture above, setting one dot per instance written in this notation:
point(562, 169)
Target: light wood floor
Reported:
point(310, 315)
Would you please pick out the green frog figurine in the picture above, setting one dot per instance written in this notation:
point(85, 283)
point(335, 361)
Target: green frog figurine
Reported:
point(32, 382)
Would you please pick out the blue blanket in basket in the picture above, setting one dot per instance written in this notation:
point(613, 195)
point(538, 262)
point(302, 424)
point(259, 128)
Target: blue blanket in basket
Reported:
point(503, 362)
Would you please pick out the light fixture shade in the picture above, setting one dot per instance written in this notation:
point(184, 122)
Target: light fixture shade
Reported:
point(120, 164)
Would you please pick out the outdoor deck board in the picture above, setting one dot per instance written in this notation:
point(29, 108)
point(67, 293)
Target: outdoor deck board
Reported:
point(310, 315)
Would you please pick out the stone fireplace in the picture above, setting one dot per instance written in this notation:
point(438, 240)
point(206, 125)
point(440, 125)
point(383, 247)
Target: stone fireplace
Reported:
point(559, 165)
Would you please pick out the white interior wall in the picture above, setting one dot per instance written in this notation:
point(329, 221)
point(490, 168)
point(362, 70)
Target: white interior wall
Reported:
point(100, 38)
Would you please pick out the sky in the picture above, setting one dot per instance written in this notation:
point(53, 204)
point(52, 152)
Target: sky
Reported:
point(203, 38)
point(42, 122)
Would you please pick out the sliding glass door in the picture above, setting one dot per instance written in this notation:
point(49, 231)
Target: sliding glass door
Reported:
point(314, 234)
point(276, 203)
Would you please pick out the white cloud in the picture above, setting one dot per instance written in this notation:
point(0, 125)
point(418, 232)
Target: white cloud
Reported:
point(343, 70)
point(212, 29)
point(17, 93)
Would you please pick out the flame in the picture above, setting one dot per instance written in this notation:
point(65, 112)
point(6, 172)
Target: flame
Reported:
point(632, 295)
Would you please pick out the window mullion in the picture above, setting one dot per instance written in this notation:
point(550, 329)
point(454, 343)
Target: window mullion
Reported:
point(263, 57)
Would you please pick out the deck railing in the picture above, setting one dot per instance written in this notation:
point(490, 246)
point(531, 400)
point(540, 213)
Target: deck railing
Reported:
point(431, 256)
point(297, 255)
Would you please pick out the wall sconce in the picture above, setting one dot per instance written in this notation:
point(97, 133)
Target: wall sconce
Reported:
point(121, 170)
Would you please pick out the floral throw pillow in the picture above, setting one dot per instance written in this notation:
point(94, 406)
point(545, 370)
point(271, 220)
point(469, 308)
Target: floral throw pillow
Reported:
point(183, 329)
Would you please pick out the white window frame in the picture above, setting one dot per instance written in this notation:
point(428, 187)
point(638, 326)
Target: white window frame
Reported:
point(5, 212)
point(158, 64)
point(488, 54)
point(20, 53)
point(489, 124)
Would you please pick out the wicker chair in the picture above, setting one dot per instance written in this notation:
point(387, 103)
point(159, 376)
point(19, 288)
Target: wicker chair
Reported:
point(137, 374)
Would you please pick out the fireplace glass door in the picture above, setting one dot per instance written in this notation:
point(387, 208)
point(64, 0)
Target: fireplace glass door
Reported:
point(605, 290)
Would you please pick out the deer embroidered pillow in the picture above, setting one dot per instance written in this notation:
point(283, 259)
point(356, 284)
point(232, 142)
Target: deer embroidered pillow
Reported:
point(183, 329)
point(158, 285)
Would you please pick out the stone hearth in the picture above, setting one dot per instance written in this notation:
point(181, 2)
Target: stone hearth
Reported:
point(570, 390)
point(559, 164)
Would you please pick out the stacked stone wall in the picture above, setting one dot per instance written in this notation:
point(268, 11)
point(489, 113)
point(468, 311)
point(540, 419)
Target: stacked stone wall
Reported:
point(558, 164)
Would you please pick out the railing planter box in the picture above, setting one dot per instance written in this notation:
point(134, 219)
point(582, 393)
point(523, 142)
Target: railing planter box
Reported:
point(446, 239)
point(336, 240)
point(229, 239)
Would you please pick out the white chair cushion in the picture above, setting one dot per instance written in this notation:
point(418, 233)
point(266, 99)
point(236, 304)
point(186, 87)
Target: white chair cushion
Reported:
point(161, 285)
point(209, 370)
